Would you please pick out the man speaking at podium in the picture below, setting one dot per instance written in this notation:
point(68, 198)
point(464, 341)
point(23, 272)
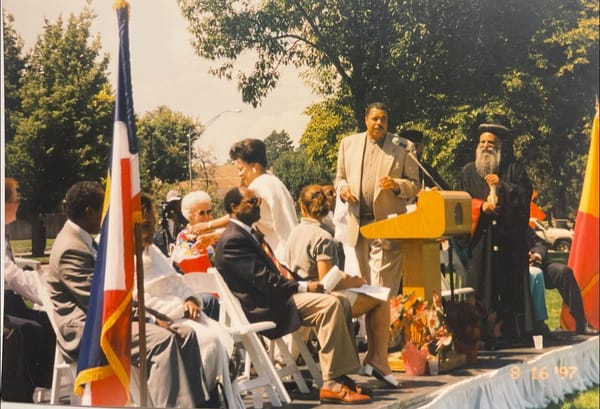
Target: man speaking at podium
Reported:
point(375, 177)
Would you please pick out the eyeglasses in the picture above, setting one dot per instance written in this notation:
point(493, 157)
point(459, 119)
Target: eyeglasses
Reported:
point(317, 194)
point(253, 201)
point(204, 212)
point(330, 192)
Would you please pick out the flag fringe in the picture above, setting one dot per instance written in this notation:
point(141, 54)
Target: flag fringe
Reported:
point(90, 375)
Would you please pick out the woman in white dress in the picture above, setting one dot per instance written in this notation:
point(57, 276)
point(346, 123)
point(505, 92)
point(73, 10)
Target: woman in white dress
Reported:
point(277, 210)
point(166, 292)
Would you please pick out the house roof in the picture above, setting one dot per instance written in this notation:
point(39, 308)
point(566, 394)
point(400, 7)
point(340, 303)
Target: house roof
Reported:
point(226, 177)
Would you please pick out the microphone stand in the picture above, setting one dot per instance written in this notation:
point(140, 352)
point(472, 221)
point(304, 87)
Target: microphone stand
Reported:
point(450, 247)
point(420, 165)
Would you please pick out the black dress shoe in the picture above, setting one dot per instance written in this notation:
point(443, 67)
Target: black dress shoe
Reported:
point(540, 328)
point(349, 382)
point(587, 329)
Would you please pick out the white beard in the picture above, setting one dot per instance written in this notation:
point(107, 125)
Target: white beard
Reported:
point(486, 161)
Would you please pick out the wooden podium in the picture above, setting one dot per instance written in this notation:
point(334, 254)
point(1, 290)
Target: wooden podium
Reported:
point(439, 214)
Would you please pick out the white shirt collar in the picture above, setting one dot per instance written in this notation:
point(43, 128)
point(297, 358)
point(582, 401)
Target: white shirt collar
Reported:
point(85, 236)
point(242, 225)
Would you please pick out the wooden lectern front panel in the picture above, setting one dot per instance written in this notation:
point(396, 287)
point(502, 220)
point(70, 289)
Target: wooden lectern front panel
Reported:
point(439, 213)
point(421, 267)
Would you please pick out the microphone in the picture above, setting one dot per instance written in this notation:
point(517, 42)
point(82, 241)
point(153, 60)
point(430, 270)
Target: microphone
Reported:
point(411, 150)
point(404, 143)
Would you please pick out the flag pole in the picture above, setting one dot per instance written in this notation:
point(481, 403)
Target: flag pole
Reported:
point(139, 271)
point(137, 229)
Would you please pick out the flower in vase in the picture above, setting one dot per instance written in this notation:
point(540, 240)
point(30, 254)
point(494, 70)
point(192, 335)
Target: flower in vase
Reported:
point(419, 323)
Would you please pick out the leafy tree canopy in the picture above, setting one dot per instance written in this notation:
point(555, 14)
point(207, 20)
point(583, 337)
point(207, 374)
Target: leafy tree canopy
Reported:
point(278, 143)
point(14, 63)
point(410, 54)
point(63, 127)
point(329, 122)
point(296, 170)
point(164, 136)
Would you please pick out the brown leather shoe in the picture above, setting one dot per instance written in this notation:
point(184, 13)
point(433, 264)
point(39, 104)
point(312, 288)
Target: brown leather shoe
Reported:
point(345, 396)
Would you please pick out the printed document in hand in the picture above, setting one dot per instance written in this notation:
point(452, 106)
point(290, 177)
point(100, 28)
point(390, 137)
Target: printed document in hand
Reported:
point(334, 275)
point(374, 291)
point(331, 279)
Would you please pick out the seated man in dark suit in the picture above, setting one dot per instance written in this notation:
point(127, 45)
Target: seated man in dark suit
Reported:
point(174, 378)
point(256, 277)
point(557, 276)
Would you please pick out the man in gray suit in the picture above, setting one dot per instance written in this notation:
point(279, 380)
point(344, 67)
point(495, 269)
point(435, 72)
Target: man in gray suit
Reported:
point(174, 378)
point(375, 177)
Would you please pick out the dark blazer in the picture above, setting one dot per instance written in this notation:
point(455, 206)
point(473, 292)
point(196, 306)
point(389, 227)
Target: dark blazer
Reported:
point(537, 244)
point(253, 278)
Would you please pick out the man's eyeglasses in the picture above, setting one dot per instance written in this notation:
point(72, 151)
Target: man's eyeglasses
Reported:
point(317, 194)
point(329, 192)
point(204, 212)
point(252, 201)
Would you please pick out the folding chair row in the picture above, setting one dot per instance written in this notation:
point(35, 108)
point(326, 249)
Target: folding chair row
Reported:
point(268, 378)
point(63, 374)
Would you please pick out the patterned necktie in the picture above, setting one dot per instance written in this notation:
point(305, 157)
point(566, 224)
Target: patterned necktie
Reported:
point(265, 246)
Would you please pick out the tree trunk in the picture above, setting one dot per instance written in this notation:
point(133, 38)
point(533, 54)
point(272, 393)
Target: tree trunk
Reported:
point(38, 237)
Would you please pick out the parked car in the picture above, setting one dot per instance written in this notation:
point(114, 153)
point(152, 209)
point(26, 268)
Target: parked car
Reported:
point(559, 238)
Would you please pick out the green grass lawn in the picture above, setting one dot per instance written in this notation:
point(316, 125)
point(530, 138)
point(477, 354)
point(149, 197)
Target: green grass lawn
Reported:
point(22, 248)
point(589, 399)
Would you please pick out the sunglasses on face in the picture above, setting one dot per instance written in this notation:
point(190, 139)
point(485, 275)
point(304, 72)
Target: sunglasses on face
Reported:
point(253, 201)
point(204, 212)
point(317, 194)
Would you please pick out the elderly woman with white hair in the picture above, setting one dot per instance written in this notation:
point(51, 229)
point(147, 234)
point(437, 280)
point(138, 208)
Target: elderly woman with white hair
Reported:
point(194, 251)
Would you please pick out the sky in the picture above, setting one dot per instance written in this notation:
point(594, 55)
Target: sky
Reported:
point(166, 71)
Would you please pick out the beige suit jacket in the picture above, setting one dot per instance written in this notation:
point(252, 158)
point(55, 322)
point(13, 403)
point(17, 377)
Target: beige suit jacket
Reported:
point(396, 164)
point(71, 265)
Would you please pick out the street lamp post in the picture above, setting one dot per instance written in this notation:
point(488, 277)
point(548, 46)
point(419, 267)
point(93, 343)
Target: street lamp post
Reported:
point(193, 134)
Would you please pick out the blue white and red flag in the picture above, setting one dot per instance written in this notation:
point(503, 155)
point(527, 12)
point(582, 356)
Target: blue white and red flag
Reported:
point(105, 357)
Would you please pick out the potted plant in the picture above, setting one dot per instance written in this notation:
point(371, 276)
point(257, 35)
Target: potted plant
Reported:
point(465, 321)
point(420, 328)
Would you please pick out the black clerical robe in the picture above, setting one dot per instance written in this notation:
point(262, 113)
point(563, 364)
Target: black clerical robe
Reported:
point(498, 251)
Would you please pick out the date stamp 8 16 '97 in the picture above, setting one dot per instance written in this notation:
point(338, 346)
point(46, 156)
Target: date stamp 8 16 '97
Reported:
point(543, 373)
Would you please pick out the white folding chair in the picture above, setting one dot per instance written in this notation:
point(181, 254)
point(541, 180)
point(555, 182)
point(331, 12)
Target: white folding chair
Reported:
point(447, 292)
point(290, 368)
point(63, 374)
point(268, 377)
point(459, 271)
